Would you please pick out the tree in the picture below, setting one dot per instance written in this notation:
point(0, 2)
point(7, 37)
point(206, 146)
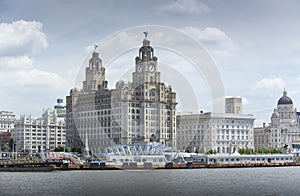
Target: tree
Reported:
point(76, 150)
point(11, 144)
point(59, 149)
point(153, 138)
point(201, 150)
point(248, 151)
point(3, 147)
point(242, 151)
point(259, 151)
point(209, 152)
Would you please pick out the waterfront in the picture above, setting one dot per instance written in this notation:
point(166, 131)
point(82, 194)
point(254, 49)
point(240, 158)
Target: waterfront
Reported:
point(237, 181)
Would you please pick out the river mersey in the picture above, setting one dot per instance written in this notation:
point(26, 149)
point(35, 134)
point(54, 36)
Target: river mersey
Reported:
point(238, 181)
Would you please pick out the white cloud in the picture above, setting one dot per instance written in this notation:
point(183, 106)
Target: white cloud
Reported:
point(298, 78)
point(293, 60)
point(21, 37)
point(245, 101)
point(274, 83)
point(18, 62)
point(260, 122)
point(19, 71)
point(186, 7)
point(214, 39)
point(29, 78)
point(20, 81)
point(28, 90)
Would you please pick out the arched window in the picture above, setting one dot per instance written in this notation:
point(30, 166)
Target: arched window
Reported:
point(152, 94)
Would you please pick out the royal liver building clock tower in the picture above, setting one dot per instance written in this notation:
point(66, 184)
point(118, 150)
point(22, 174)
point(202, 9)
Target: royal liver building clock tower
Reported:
point(146, 65)
point(145, 109)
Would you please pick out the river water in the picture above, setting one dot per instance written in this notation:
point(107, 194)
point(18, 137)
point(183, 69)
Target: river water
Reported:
point(235, 181)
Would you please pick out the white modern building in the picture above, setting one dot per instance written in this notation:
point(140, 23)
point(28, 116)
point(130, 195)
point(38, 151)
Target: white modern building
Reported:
point(39, 134)
point(7, 120)
point(283, 129)
point(223, 133)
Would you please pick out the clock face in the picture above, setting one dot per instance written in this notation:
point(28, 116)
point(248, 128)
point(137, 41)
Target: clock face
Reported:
point(140, 68)
point(151, 68)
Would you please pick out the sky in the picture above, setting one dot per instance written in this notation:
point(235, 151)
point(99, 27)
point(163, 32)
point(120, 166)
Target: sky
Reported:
point(254, 45)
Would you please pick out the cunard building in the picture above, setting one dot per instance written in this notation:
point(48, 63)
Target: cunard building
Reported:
point(143, 110)
point(222, 133)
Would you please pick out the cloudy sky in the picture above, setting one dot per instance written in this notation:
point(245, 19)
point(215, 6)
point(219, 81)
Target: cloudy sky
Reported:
point(254, 44)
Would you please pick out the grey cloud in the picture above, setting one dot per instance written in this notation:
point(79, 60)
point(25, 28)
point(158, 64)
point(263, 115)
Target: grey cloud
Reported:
point(185, 7)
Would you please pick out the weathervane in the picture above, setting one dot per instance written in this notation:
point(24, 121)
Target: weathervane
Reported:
point(146, 34)
point(95, 46)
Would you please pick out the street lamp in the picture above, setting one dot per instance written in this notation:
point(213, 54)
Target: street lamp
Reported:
point(15, 149)
point(1, 144)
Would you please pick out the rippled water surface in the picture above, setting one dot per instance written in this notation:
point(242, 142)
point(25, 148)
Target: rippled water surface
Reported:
point(238, 181)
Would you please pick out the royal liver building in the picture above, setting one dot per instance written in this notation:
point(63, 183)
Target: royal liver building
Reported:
point(143, 110)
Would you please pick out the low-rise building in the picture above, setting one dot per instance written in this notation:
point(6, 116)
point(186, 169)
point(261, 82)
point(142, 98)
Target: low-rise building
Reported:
point(7, 120)
point(262, 137)
point(283, 129)
point(223, 133)
point(39, 134)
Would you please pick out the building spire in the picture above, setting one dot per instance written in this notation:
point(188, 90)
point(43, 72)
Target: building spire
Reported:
point(146, 34)
point(146, 42)
point(284, 93)
point(95, 47)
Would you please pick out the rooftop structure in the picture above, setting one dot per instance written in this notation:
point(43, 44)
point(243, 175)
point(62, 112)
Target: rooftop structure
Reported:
point(7, 120)
point(143, 152)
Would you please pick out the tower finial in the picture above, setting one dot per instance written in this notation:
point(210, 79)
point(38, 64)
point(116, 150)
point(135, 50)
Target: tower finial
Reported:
point(284, 92)
point(95, 47)
point(146, 34)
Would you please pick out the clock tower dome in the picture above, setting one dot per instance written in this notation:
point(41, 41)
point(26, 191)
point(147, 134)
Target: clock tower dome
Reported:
point(94, 74)
point(146, 69)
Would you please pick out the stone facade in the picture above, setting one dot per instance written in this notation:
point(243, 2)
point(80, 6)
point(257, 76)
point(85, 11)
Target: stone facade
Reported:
point(143, 110)
point(88, 111)
point(283, 129)
point(233, 105)
point(262, 137)
point(7, 120)
point(223, 133)
point(39, 134)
